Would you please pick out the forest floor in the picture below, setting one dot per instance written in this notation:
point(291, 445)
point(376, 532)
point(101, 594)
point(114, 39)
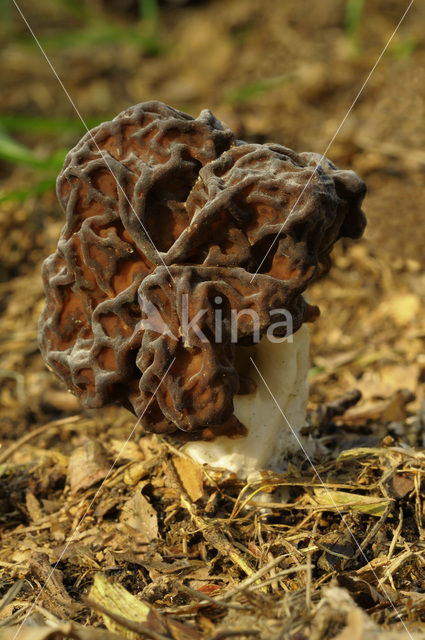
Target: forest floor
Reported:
point(198, 557)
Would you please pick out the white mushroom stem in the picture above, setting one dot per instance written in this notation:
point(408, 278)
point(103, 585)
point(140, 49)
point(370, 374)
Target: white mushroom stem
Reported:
point(271, 428)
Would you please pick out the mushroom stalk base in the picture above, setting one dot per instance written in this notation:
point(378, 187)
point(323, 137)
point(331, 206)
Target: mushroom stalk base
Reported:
point(273, 431)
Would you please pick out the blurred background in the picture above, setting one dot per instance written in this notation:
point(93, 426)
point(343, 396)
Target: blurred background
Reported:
point(285, 71)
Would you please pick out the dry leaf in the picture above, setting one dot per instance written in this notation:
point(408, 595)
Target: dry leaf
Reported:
point(363, 452)
point(208, 589)
point(140, 515)
point(117, 599)
point(360, 627)
point(125, 607)
point(190, 474)
point(396, 410)
point(87, 465)
point(33, 506)
point(329, 498)
point(363, 593)
point(402, 484)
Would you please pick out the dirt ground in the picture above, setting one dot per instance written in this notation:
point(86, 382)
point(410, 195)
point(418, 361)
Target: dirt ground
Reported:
point(193, 544)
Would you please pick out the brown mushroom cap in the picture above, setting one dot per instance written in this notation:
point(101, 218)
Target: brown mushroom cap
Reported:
point(158, 206)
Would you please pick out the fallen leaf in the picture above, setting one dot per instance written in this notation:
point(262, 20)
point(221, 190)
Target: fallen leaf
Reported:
point(105, 505)
point(140, 515)
point(115, 600)
point(362, 452)
point(118, 600)
point(363, 593)
point(402, 484)
point(190, 474)
point(33, 506)
point(342, 499)
point(87, 465)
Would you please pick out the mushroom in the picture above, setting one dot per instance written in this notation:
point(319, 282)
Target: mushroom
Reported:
point(185, 253)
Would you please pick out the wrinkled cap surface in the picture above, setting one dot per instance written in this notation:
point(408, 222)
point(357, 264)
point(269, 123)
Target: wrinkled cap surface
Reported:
point(170, 218)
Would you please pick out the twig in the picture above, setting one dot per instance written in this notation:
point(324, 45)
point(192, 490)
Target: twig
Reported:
point(207, 599)
point(11, 594)
point(396, 534)
point(324, 415)
point(372, 533)
point(4, 455)
point(216, 538)
point(309, 568)
point(280, 574)
point(7, 622)
point(396, 564)
point(256, 576)
point(418, 504)
point(331, 552)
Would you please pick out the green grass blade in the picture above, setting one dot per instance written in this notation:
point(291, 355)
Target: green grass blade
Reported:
point(353, 21)
point(38, 189)
point(18, 123)
point(15, 153)
point(252, 90)
point(148, 10)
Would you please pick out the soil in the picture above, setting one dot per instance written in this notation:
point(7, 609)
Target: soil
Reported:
point(174, 536)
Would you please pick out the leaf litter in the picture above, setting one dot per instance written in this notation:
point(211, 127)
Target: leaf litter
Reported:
point(164, 548)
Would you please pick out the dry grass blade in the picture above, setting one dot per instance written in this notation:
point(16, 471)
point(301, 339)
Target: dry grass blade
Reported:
point(280, 574)
point(396, 535)
point(54, 424)
point(11, 594)
point(202, 597)
point(374, 530)
point(216, 538)
point(254, 577)
point(200, 563)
